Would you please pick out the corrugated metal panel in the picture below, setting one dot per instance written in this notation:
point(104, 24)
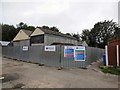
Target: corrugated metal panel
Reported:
point(24, 55)
point(50, 58)
point(37, 54)
point(10, 52)
point(70, 62)
point(16, 51)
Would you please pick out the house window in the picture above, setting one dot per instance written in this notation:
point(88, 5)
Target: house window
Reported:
point(37, 39)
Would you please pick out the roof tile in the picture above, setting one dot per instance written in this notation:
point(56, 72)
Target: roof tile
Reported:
point(47, 31)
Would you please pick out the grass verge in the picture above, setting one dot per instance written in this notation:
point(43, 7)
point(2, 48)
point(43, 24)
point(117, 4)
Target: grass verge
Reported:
point(111, 70)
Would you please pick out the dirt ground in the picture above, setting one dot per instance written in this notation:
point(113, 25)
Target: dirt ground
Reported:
point(20, 74)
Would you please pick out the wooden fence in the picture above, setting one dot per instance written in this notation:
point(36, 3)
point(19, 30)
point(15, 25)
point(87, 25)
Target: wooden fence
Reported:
point(113, 55)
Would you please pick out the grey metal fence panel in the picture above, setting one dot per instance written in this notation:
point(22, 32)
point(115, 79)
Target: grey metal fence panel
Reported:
point(51, 58)
point(10, 52)
point(7, 52)
point(35, 54)
point(24, 55)
point(70, 62)
point(13, 52)
point(88, 55)
point(1, 52)
point(4, 51)
point(93, 54)
point(16, 52)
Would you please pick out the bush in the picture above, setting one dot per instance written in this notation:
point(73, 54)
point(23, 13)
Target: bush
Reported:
point(111, 70)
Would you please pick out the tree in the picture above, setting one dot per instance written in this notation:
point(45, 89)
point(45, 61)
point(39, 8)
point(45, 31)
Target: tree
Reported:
point(117, 33)
point(54, 29)
point(21, 25)
point(31, 28)
point(45, 27)
point(77, 36)
point(8, 32)
point(51, 28)
point(68, 34)
point(101, 33)
point(85, 36)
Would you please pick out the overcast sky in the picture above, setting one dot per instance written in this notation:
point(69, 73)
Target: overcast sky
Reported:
point(68, 15)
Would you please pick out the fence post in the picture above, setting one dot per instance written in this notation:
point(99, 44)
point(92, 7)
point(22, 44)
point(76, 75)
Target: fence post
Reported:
point(106, 52)
point(60, 67)
point(117, 55)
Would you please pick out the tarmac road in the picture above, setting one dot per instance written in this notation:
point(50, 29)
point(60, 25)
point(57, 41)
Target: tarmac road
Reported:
point(20, 74)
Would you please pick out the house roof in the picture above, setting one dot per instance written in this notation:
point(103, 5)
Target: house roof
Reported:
point(28, 32)
point(47, 31)
point(83, 43)
point(23, 35)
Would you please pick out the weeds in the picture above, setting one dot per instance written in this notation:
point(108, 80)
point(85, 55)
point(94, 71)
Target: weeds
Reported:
point(111, 70)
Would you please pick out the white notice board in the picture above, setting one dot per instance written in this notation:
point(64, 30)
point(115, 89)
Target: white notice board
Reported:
point(50, 48)
point(25, 48)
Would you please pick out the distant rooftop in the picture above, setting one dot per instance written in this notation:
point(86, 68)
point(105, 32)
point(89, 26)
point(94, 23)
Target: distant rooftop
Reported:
point(4, 43)
point(47, 31)
point(28, 32)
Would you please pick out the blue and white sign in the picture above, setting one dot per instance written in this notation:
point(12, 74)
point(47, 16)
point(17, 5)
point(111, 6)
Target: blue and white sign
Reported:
point(69, 51)
point(79, 53)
